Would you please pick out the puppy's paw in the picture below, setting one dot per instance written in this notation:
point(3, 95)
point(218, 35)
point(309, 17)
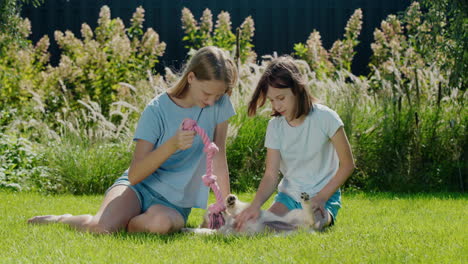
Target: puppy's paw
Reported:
point(231, 200)
point(305, 196)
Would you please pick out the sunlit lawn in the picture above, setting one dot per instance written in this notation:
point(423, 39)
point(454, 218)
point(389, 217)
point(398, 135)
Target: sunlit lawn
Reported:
point(372, 228)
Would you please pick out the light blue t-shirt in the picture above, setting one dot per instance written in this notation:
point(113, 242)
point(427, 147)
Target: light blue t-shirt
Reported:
point(179, 178)
point(308, 157)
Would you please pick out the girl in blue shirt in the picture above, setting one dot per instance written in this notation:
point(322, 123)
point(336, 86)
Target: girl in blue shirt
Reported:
point(164, 180)
point(305, 141)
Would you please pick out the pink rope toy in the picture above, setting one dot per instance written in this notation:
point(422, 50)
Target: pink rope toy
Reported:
point(215, 217)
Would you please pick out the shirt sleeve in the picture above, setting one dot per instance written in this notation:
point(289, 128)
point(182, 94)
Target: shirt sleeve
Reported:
point(271, 138)
point(225, 110)
point(149, 126)
point(331, 122)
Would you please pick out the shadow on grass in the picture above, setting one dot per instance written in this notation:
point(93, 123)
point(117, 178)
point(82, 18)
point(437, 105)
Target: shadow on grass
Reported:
point(143, 238)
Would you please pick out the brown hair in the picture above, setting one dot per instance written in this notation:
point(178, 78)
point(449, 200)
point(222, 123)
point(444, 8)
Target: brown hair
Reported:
point(282, 73)
point(208, 63)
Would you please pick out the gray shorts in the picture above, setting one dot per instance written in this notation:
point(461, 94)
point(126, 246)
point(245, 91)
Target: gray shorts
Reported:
point(149, 197)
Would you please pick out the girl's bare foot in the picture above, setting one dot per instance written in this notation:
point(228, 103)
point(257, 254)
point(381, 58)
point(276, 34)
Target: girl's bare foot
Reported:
point(45, 219)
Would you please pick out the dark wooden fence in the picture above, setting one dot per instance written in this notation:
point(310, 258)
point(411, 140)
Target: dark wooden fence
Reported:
point(279, 24)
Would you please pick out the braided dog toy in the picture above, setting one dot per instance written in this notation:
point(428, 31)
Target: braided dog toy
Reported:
point(216, 219)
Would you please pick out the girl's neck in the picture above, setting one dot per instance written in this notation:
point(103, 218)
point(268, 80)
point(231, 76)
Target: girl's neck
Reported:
point(296, 121)
point(181, 102)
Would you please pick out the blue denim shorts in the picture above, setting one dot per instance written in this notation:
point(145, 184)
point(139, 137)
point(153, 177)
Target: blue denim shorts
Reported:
point(332, 205)
point(149, 197)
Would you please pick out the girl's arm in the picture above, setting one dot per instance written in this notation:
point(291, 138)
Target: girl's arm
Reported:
point(270, 178)
point(266, 188)
point(146, 160)
point(220, 166)
point(343, 149)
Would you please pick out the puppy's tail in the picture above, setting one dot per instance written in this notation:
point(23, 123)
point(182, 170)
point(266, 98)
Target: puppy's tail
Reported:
point(279, 226)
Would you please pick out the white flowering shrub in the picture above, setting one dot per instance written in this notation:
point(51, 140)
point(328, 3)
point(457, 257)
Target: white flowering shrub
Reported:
point(201, 34)
point(340, 56)
point(91, 68)
point(91, 71)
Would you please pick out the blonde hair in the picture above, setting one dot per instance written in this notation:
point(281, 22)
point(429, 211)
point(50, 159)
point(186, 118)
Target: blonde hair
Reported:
point(208, 63)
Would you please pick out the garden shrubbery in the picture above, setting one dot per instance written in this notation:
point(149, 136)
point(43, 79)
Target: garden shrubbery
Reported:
point(200, 34)
point(245, 150)
point(73, 123)
point(21, 166)
point(84, 167)
point(90, 72)
point(340, 56)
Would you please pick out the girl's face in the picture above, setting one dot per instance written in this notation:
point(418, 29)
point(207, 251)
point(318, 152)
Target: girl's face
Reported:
point(205, 93)
point(282, 101)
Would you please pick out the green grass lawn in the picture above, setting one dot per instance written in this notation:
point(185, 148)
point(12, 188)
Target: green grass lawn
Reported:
point(371, 228)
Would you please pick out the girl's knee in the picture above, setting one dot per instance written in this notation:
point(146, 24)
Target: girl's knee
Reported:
point(159, 224)
point(162, 224)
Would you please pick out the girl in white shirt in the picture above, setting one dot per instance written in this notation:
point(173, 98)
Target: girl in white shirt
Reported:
point(305, 141)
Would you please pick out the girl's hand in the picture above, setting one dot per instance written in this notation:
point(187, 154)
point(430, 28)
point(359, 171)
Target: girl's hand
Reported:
point(251, 213)
point(318, 206)
point(183, 139)
point(321, 216)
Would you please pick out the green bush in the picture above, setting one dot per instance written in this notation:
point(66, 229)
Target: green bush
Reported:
point(412, 151)
point(20, 166)
point(246, 152)
point(454, 30)
point(87, 167)
point(420, 138)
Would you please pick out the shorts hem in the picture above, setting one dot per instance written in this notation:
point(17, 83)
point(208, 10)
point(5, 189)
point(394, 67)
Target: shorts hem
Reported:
point(131, 188)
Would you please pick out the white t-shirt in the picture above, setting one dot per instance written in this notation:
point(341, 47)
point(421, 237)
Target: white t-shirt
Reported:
point(308, 157)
